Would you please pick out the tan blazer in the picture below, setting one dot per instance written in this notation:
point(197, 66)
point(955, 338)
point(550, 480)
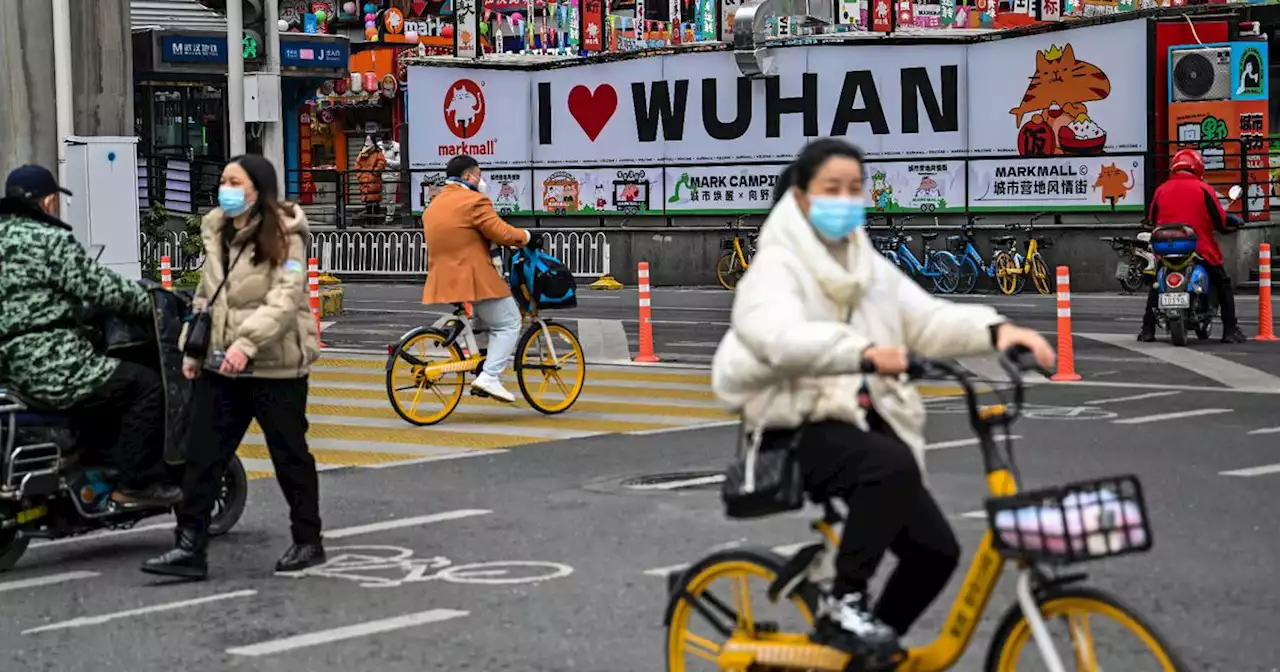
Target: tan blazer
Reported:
point(263, 310)
point(459, 225)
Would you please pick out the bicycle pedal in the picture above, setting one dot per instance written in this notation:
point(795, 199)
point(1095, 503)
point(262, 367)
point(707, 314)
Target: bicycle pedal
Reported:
point(477, 392)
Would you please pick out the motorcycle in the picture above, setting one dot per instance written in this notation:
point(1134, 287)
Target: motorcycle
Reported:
point(56, 484)
point(1187, 299)
point(1137, 265)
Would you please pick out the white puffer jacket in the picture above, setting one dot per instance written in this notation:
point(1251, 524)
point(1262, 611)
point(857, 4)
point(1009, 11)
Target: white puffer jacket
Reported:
point(799, 316)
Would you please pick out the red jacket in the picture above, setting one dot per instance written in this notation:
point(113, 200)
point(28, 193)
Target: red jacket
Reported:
point(1187, 199)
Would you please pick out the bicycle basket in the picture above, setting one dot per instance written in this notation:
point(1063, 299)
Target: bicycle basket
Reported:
point(1045, 242)
point(1089, 520)
point(955, 243)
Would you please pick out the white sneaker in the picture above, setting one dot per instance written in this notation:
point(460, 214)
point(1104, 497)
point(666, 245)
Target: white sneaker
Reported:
point(489, 386)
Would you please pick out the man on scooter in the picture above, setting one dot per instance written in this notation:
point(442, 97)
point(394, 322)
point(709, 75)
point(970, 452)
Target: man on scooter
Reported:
point(1185, 198)
point(45, 277)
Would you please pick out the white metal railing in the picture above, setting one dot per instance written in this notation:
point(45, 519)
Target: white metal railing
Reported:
point(394, 252)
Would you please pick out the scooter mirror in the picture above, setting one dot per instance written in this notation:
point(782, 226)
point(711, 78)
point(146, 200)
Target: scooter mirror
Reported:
point(1235, 192)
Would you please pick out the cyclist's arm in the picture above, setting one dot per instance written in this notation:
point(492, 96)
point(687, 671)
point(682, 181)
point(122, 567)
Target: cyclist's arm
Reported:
point(493, 228)
point(769, 320)
point(1217, 214)
point(75, 273)
point(938, 328)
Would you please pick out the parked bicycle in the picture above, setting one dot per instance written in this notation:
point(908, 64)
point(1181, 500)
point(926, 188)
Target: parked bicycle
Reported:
point(940, 266)
point(1042, 532)
point(432, 363)
point(737, 256)
point(1012, 269)
point(972, 265)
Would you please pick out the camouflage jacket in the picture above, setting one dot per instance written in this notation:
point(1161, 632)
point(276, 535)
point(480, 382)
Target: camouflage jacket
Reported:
point(45, 277)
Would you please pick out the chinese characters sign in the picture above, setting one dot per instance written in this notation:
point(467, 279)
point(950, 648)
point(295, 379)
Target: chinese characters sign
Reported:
point(187, 49)
point(720, 190)
point(1078, 183)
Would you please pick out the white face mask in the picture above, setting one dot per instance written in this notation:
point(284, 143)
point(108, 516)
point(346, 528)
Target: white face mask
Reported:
point(483, 186)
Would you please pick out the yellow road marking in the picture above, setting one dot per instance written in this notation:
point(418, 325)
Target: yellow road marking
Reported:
point(615, 407)
point(412, 435)
point(346, 458)
point(565, 421)
point(258, 475)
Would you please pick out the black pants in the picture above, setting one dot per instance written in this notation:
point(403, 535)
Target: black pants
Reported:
point(1220, 282)
point(223, 409)
point(129, 408)
point(889, 509)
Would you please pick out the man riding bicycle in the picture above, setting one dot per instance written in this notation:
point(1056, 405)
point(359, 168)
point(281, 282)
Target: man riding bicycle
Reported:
point(1187, 199)
point(45, 278)
point(459, 225)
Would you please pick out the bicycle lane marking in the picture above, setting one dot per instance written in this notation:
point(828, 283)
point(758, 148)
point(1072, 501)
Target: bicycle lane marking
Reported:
point(347, 632)
point(367, 566)
point(397, 523)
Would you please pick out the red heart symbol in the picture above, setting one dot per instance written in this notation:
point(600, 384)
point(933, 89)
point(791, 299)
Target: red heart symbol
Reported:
point(593, 110)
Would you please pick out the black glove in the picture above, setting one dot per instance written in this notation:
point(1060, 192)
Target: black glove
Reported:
point(535, 241)
point(1234, 223)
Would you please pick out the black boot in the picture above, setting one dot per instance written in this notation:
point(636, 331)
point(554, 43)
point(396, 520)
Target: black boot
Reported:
point(1234, 336)
point(300, 557)
point(1147, 335)
point(187, 559)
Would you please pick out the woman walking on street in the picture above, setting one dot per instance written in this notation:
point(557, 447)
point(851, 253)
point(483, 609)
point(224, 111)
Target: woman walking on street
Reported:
point(262, 340)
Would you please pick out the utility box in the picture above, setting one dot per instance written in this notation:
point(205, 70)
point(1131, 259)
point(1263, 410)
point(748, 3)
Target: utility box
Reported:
point(102, 173)
point(262, 98)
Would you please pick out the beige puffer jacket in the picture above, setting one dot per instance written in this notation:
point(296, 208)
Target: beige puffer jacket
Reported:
point(263, 309)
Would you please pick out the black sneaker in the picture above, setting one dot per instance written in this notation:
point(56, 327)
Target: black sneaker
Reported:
point(156, 495)
point(845, 623)
point(300, 557)
point(1147, 336)
point(187, 560)
point(1235, 336)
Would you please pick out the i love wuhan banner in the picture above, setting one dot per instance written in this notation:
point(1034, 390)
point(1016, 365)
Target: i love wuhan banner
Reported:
point(686, 133)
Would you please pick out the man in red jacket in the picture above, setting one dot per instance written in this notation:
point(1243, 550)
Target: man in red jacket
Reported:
point(1187, 199)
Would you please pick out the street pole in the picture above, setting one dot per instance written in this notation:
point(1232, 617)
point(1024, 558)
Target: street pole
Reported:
point(63, 86)
point(273, 133)
point(235, 76)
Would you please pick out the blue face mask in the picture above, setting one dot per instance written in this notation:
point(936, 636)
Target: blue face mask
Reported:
point(835, 217)
point(232, 201)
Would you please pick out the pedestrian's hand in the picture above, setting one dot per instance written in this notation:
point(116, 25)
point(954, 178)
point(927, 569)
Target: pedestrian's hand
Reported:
point(190, 370)
point(889, 360)
point(235, 361)
point(1010, 335)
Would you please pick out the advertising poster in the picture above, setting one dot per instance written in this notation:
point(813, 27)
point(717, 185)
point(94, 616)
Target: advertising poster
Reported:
point(597, 191)
point(916, 186)
point(457, 111)
point(720, 190)
point(511, 191)
point(1095, 183)
point(1081, 92)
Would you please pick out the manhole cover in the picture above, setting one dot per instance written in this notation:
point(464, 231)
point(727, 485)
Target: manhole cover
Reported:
point(689, 480)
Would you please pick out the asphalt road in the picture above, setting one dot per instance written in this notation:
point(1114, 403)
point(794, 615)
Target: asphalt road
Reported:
point(1209, 583)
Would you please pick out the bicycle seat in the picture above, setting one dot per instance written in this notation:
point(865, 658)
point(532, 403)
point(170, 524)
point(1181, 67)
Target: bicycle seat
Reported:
point(1001, 240)
point(928, 236)
point(882, 240)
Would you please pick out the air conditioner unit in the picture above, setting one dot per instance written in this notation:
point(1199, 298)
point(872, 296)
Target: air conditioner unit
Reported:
point(1200, 73)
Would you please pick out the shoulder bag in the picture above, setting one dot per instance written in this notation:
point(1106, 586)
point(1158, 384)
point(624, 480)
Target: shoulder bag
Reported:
point(765, 478)
point(200, 323)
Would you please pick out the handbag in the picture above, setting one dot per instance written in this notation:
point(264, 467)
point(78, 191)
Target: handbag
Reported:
point(200, 323)
point(764, 479)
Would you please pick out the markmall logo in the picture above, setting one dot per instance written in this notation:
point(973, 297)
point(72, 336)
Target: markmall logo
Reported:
point(464, 108)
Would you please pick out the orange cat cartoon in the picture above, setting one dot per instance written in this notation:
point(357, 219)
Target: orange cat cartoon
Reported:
point(1111, 179)
point(1055, 99)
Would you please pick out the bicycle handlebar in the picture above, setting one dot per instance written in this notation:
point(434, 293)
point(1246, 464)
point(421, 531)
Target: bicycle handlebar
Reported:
point(1015, 361)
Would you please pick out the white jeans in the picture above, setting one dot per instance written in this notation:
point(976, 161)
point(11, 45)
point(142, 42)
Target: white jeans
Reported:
point(503, 318)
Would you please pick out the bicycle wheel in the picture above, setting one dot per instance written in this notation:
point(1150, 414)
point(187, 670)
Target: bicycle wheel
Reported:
point(737, 571)
point(948, 272)
point(968, 276)
point(729, 271)
point(413, 382)
point(1007, 275)
point(550, 368)
point(1068, 610)
point(1039, 273)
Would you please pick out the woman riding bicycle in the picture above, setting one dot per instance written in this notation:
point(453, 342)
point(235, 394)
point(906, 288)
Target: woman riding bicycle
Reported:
point(818, 301)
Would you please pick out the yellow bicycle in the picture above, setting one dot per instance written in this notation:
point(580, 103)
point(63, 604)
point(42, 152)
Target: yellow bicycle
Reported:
point(427, 368)
point(737, 257)
point(1012, 269)
point(716, 625)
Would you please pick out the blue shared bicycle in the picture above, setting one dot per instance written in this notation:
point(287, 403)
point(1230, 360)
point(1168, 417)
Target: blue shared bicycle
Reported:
point(940, 266)
point(972, 264)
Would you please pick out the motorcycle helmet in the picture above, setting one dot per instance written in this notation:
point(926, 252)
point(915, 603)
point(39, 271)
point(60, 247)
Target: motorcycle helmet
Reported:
point(1189, 160)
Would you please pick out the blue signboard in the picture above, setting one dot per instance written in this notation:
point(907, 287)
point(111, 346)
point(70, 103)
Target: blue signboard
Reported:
point(190, 49)
point(314, 55)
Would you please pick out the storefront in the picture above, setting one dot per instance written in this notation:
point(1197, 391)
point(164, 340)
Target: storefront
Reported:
point(180, 104)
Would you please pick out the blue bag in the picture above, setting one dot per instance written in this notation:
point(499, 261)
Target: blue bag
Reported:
point(540, 281)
